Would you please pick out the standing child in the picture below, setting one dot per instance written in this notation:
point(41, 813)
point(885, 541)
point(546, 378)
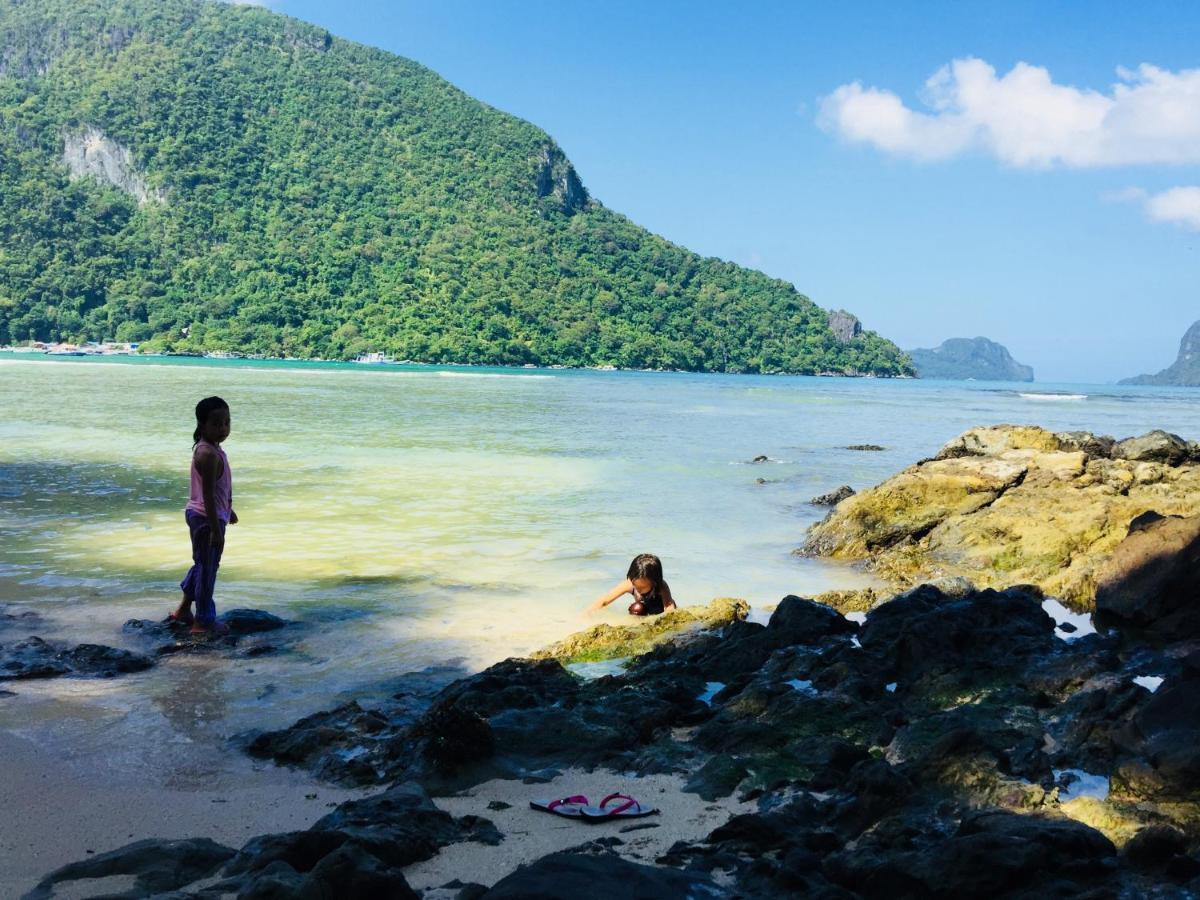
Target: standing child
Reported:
point(644, 580)
point(209, 510)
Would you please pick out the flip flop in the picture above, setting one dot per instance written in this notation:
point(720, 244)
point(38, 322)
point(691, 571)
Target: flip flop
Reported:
point(567, 807)
point(629, 809)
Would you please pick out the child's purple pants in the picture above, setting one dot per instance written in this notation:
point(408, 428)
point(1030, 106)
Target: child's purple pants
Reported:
point(201, 578)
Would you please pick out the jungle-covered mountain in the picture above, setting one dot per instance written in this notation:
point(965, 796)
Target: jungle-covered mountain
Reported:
point(202, 176)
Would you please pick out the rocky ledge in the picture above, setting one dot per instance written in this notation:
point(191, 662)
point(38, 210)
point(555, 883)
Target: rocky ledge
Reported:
point(1014, 504)
point(955, 743)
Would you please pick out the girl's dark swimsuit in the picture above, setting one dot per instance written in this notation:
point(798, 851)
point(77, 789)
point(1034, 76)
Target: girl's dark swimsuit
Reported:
point(652, 604)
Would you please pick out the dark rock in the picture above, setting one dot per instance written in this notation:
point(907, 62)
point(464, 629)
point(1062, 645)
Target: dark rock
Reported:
point(1152, 579)
point(1155, 446)
point(250, 621)
point(1096, 446)
point(36, 658)
point(797, 620)
point(870, 448)
point(158, 865)
point(1164, 735)
point(1154, 846)
point(834, 497)
point(13, 617)
point(760, 459)
point(575, 876)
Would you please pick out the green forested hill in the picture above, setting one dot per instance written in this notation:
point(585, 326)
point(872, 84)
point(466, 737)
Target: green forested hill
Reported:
point(271, 188)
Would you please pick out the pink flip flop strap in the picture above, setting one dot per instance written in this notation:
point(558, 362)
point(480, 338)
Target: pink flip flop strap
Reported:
point(629, 803)
point(577, 800)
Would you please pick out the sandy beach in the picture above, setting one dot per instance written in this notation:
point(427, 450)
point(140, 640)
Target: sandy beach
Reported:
point(530, 835)
point(55, 812)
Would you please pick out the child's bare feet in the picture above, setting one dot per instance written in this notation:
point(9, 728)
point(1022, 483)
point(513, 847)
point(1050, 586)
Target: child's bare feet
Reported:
point(182, 615)
point(217, 628)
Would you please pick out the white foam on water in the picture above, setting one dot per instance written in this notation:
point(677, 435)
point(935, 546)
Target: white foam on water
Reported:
point(890, 688)
point(858, 617)
point(804, 687)
point(1071, 397)
point(855, 643)
point(1060, 614)
point(1149, 682)
point(759, 616)
point(711, 689)
point(489, 375)
point(1082, 784)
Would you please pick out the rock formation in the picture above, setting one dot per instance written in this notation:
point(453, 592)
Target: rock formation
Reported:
point(91, 154)
point(969, 358)
point(1185, 371)
point(1010, 505)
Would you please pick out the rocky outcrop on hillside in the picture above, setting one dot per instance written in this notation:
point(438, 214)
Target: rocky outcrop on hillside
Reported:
point(1011, 505)
point(969, 358)
point(92, 154)
point(1185, 371)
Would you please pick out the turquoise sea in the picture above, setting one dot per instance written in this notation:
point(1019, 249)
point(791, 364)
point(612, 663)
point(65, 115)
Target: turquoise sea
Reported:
point(414, 516)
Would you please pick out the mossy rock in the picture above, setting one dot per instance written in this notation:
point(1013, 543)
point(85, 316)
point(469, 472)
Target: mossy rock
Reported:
point(1005, 505)
point(614, 641)
point(852, 601)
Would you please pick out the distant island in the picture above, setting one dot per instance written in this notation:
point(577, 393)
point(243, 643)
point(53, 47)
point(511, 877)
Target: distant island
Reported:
point(964, 358)
point(1185, 371)
point(208, 177)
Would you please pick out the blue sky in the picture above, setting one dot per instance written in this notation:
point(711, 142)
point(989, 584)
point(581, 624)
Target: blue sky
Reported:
point(1011, 211)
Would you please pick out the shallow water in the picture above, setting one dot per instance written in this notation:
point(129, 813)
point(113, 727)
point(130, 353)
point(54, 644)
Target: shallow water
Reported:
point(414, 515)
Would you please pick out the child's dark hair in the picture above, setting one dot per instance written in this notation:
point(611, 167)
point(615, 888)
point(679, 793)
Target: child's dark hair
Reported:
point(646, 565)
point(203, 409)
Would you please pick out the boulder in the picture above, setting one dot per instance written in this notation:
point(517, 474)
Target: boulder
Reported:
point(250, 621)
point(1006, 505)
point(1155, 446)
point(1152, 580)
point(800, 621)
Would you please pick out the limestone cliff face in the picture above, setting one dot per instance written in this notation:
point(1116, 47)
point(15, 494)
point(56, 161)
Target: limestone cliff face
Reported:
point(845, 327)
point(556, 178)
point(1185, 371)
point(91, 154)
point(963, 358)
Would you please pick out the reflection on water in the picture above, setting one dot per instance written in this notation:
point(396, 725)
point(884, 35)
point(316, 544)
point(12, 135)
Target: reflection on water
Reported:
point(409, 517)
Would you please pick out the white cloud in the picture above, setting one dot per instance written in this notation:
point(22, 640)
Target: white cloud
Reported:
point(1024, 119)
point(1179, 205)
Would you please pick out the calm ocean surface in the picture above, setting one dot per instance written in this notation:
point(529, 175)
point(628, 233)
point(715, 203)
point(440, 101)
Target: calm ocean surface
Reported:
point(414, 516)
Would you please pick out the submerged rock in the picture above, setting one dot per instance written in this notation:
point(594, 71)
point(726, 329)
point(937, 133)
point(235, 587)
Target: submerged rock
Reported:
point(1011, 504)
point(36, 658)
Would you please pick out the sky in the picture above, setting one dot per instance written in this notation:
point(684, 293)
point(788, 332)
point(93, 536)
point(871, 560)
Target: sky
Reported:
point(1028, 172)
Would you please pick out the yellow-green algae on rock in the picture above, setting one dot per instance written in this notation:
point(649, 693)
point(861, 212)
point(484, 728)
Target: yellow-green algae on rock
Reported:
point(614, 641)
point(1010, 505)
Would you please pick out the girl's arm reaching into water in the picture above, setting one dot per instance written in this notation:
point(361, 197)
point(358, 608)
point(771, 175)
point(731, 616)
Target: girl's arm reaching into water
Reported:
point(625, 587)
point(667, 599)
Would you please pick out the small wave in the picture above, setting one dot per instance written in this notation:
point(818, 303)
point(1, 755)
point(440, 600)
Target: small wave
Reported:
point(489, 375)
point(1052, 396)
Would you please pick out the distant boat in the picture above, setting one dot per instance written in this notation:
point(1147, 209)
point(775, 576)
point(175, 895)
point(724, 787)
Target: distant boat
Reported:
point(375, 359)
